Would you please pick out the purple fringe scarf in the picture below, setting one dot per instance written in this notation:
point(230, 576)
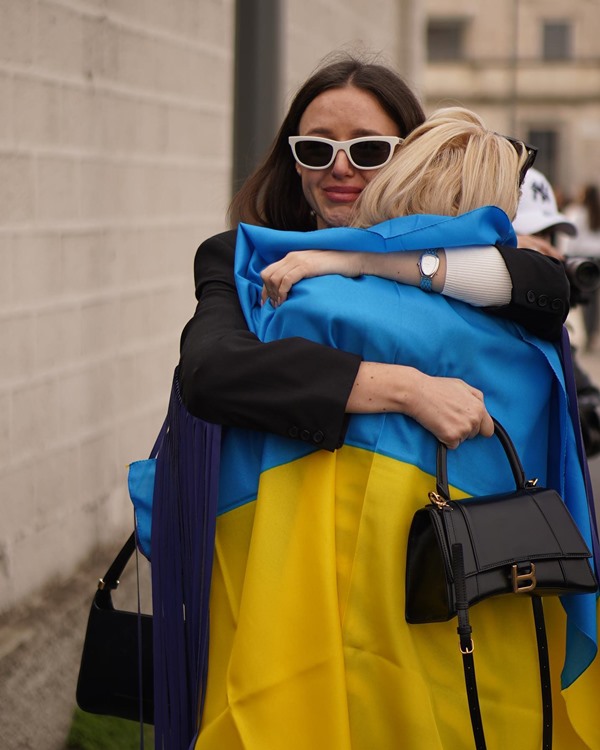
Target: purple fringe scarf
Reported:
point(183, 531)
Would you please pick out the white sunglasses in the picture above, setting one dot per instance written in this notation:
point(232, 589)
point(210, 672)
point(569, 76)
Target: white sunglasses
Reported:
point(369, 152)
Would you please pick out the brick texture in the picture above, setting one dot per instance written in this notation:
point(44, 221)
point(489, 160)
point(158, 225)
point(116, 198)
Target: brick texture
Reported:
point(115, 162)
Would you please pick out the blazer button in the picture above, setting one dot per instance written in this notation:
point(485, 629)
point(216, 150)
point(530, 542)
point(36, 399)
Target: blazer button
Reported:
point(557, 304)
point(542, 300)
point(531, 296)
point(293, 431)
point(305, 435)
point(318, 437)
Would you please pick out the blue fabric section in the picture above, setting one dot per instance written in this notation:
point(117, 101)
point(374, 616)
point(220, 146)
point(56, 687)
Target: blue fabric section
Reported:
point(582, 641)
point(520, 375)
point(248, 451)
point(578, 639)
point(140, 481)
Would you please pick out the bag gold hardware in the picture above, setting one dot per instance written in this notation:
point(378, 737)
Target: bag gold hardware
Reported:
point(438, 500)
point(469, 649)
point(523, 582)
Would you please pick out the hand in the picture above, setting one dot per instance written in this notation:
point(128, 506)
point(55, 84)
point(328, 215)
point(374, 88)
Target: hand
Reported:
point(279, 277)
point(451, 409)
point(542, 246)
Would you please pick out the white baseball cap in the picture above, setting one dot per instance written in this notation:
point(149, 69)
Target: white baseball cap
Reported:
point(537, 208)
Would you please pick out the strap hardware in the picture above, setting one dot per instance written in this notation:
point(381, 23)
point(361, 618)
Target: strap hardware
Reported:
point(441, 502)
point(523, 582)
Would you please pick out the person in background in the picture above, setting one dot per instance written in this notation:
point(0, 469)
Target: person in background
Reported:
point(538, 215)
point(584, 214)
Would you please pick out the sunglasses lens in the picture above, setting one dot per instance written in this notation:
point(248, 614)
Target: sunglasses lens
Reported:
point(520, 147)
point(314, 153)
point(369, 154)
point(531, 154)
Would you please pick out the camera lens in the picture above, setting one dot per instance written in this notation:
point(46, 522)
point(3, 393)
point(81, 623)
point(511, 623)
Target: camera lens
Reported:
point(583, 273)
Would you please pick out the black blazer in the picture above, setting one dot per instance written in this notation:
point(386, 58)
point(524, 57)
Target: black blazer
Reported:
point(299, 388)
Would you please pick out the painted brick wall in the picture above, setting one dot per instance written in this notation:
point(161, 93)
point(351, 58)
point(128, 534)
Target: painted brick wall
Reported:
point(114, 163)
point(115, 123)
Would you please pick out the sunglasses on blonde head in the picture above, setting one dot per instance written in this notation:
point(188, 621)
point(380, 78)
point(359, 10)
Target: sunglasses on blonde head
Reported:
point(369, 152)
point(519, 147)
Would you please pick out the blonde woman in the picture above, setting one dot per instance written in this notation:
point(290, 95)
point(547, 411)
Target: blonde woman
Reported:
point(309, 646)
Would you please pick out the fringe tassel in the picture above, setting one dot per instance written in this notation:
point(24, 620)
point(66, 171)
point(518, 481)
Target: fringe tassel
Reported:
point(183, 531)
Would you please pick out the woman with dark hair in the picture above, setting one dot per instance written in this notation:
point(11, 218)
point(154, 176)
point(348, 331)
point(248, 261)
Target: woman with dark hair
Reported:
point(305, 390)
point(272, 196)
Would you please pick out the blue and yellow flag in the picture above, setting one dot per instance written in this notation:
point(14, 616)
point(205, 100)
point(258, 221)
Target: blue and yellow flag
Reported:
point(309, 646)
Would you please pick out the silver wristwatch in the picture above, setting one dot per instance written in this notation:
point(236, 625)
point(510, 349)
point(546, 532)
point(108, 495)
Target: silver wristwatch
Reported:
point(428, 264)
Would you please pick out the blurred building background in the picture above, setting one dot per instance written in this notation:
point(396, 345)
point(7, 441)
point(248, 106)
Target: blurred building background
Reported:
point(531, 68)
point(123, 126)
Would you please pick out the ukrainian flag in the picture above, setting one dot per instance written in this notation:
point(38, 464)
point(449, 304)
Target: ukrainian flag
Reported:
point(309, 647)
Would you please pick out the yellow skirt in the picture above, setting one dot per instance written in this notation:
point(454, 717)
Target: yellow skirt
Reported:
point(309, 648)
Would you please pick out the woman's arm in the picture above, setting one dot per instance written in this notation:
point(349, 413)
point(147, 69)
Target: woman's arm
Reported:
point(540, 292)
point(448, 407)
point(291, 387)
point(521, 285)
point(295, 387)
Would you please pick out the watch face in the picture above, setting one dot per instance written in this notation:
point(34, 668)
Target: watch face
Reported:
point(429, 264)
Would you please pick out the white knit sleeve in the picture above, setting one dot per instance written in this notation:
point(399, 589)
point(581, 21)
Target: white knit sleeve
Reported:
point(479, 278)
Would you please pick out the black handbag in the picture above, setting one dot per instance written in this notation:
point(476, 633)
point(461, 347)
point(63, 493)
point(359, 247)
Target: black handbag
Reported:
point(461, 552)
point(116, 672)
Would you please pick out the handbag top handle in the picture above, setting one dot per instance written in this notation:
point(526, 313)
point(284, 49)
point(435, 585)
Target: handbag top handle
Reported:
point(509, 449)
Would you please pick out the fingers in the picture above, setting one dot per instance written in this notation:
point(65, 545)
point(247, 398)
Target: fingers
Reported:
point(453, 411)
point(479, 423)
point(279, 278)
point(487, 426)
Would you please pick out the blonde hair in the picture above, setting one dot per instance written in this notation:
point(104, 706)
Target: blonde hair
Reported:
point(449, 165)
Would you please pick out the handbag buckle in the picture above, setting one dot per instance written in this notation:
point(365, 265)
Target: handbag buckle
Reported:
point(439, 501)
point(464, 650)
point(523, 582)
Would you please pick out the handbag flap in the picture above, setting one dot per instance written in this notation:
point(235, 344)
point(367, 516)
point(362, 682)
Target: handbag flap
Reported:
point(528, 524)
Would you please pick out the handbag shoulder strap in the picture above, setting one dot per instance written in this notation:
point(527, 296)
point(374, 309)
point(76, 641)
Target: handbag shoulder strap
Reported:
point(466, 648)
point(110, 580)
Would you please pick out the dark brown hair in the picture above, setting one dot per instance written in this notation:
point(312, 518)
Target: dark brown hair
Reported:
point(272, 195)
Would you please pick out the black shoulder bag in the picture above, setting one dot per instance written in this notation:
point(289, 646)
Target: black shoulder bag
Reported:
point(116, 672)
point(523, 542)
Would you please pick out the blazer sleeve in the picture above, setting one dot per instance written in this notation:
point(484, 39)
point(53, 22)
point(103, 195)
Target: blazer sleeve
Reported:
point(293, 387)
point(540, 292)
point(298, 388)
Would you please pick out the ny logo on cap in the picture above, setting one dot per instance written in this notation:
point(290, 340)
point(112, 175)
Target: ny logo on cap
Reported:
point(541, 190)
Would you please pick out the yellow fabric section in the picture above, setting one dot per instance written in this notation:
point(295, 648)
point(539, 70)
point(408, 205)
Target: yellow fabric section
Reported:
point(309, 647)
